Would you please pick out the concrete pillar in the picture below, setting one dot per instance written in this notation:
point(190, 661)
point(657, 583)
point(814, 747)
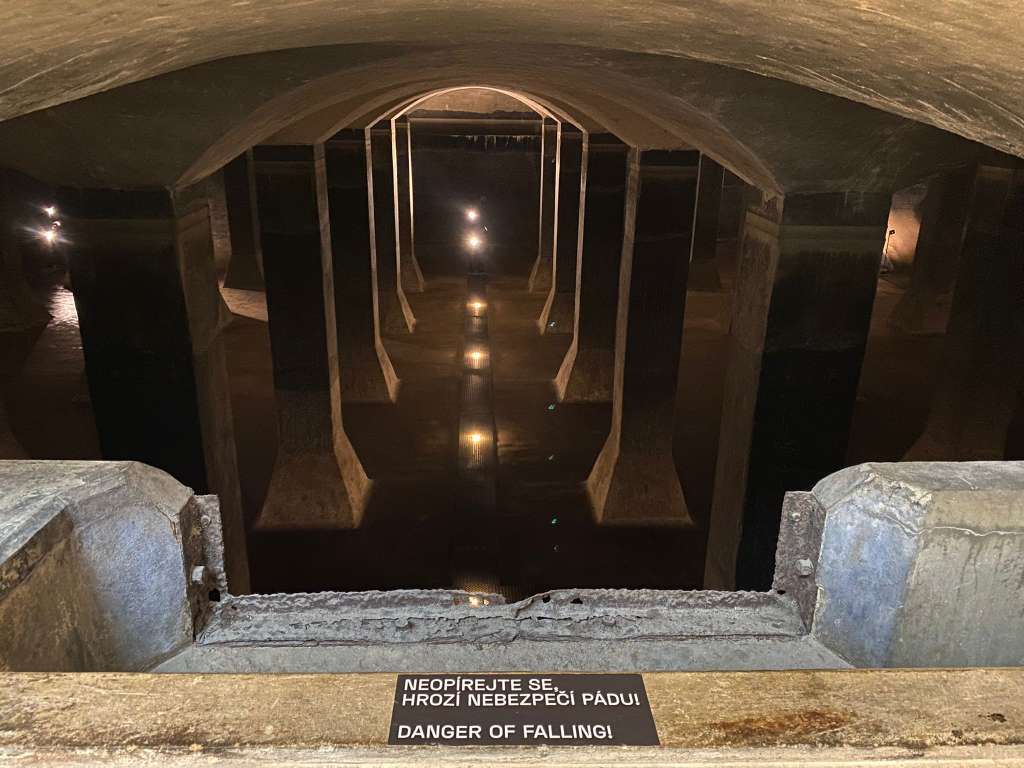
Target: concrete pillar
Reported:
point(245, 269)
point(983, 355)
point(145, 287)
point(586, 372)
point(805, 287)
point(547, 236)
point(924, 307)
point(634, 480)
point(366, 370)
point(318, 481)
point(560, 307)
point(703, 261)
point(409, 267)
point(395, 313)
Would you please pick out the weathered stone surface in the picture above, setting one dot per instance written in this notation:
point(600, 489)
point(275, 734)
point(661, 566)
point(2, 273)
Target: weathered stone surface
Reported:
point(922, 564)
point(94, 558)
point(53, 56)
point(896, 717)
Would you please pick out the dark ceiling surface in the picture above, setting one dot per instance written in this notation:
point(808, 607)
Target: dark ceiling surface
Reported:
point(753, 83)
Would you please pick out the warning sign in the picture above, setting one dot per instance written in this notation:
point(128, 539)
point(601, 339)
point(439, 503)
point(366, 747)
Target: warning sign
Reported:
point(572, 710)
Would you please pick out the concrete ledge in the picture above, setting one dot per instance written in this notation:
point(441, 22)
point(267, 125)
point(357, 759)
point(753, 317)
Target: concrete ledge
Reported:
point(920, 717)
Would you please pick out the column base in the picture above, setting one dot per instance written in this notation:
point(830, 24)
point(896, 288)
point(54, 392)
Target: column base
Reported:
point(540, 276)
point(636, 489)
point(586, 375)
point(558, 315)
point(396, 315)
point(412, 276)
point(369, 379)
point(308, 493)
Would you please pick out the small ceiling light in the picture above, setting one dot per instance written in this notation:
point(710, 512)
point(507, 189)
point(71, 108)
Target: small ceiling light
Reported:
point(472, 214)
point(48, 236)
point(50, 210)
point(474, 242)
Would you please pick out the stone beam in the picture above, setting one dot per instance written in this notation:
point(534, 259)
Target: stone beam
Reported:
point(401, 149)
point(805, 289)
point(921, 564)
point(547, 235)
point(395, 313)
point(983, 356)
point(142, 270)
point(560, 308)
point(318, 481)
point(245, 270)
point(703, 260)
point(586, 372)
point(366, 369)
point(634, 480)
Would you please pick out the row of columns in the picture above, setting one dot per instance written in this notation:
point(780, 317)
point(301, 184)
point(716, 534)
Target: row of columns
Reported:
point(634, 229)
point(804, 296)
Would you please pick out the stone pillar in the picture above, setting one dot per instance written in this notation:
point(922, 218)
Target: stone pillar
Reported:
point(366, 370)
point(409, 268)
point(145, 287)
point(805, 288)
point(586, 371)
point(983, 356)
point(547, 237)
point(924, 307)
point(560, 307)
point(634, 480)
point(318, 481)
point(703, 261)
point(245, 270)
point(395, 313)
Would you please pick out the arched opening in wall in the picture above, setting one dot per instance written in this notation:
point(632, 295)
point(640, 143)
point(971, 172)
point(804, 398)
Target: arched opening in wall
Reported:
point(480, 467)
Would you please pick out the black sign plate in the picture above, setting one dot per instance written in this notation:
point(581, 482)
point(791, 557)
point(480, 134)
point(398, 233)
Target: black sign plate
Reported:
point(571, 710)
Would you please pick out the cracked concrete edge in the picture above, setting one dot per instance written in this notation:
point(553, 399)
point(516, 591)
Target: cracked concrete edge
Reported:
point(420, 616)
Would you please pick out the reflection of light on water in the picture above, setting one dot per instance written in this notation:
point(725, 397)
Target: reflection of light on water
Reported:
point(61, 303)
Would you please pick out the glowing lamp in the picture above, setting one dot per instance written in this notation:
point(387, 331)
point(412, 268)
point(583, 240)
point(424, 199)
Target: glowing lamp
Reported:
point(48, 236)
point(475, 438)
point(472, 214)
point(50, 210)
